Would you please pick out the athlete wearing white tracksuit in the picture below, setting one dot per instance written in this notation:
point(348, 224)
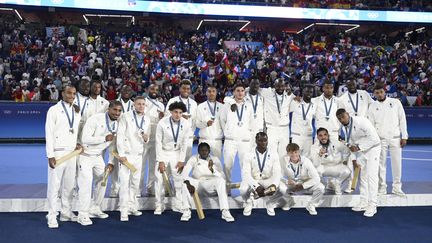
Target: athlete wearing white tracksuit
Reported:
point(276, 116)
point(388, 117)
point(82, 102)
point(91, 165)
point(172, 142)
point(364, 142)
point(98, 105)
point(356, 104)
point(237, 127)
point(302, 177)
point(301, 125)
point(191, 112)
point(260, 169)
point(61, 132)
point(325, 115)
point(329, 160)
point(127, 106)
point(213, 134)
point(256, 102)
point(154, 109)
point(132, 134)
point(206, 181)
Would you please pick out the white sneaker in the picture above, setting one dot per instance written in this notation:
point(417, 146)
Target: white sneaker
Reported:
point(226, 215)
point(287, 207)
point(65, 217)
point(337, 189)
point(398, 192)
point(97, 213)
point(124, 217)
point(186, 216)
point(248, 208)
point(159, 210)
point(84, 220)
point(135, 212)
point(348, 190)
point(311, 209)
point(52, 221)
point(370, 211)
point(359, 208)
point(176, 209)
point(382, 191)
point(270, 211)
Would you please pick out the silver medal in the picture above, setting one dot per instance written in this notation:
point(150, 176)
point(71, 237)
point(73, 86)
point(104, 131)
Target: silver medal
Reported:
point(71, 131)
point(240, 124)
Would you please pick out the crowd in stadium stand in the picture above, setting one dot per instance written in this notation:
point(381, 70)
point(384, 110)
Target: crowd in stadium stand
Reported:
point(34, 67)
point(398, 5)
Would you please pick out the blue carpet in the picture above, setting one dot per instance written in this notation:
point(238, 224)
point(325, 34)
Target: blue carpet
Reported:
point(403, 224)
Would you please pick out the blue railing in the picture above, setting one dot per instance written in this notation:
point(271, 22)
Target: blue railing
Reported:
point(27, 120)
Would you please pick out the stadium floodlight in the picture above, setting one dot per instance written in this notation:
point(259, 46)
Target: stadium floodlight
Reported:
point(246, 22)
point(18, 14)
point(353, 26)
point(85, 18)
point(305, 28)
point(419, 30)
point(13, 10)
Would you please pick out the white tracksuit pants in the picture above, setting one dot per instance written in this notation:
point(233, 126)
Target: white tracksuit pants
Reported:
point(62, 177)
point(278, 137)
point(369, 177)
point(316, 190)
point(305, 144)
point(149, 163)
point(115, 185)
point(246, 191)
point(215, 147)
point(129, 183)
point(170, 158)
point(231, 148)
point(90, 168)
point(338, 171)
point(392, 145)
point(208, 187)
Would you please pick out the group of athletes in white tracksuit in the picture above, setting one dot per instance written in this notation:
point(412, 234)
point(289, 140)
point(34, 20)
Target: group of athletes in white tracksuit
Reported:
point(254, 124)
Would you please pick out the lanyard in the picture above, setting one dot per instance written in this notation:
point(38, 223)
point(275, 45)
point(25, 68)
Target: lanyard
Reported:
point(352, 103)
point(175, 135)
point(240, 116)
point(348, 132)
point(296, 172)
point(111, 130)
point(254, 105)
point(129, 104)
point(325, 106)
point(212, 111)
point(79, 104)
point(277, 103)
point(188, 104)
point(139, 126)
point(71, 121)
point(261, 166)
point(154, 103)
point(307, 111)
